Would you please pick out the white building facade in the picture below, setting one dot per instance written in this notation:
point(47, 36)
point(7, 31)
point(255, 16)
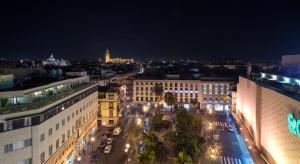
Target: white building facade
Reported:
point(52, 128)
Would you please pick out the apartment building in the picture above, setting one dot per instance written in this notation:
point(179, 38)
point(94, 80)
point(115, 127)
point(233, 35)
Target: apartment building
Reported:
point(109, 106)
point(210, 92)
point(48, 123)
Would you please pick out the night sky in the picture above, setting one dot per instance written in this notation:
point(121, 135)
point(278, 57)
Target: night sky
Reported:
point(149, 29)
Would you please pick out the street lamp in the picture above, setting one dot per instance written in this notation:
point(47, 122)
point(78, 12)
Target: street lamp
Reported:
point(78, 159)
point(92, 139)
point(145, 108)
point(139, 121)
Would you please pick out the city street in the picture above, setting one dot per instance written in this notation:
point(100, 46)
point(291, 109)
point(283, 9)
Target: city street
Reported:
point(234, 149)
point(117, 154)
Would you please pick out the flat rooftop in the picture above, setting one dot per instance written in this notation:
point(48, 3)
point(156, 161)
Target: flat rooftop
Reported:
point(32, 106)
point(34, 82)
point(181, 77)
point(283, 84)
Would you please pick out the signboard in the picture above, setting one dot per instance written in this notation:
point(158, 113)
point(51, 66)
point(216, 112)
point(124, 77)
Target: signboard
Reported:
point(294, 124)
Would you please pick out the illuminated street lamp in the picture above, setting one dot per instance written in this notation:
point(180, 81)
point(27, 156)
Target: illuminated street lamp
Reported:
point(145, 108)
point(127, 145)
point(92, 140)
point(79, 159)
point(139, 121)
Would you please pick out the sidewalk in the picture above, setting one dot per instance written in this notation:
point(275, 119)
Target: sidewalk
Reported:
point(248, 140)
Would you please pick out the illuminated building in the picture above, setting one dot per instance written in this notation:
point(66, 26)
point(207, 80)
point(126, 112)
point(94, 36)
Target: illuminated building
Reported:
point(266, 103)
point(118, 60)
point(109, 106)
point(210, 92)
point(49, 123)
point(55, 62)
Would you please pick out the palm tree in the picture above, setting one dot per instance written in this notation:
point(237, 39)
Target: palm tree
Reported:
point(170, 99)
point(158, 90)
point(183, 158)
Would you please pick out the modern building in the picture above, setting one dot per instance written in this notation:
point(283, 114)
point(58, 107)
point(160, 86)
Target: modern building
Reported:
point(48, 123)
point(109, 106)
point(269, 105)
point(210, 92)
point(109, 59)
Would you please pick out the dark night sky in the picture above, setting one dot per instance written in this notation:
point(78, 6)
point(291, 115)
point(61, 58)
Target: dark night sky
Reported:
point(149, 29)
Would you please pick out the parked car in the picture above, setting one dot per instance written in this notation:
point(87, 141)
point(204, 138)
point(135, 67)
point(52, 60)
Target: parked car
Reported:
point(109, 141)
point(117, 131)
point(229, 128)
point(107, 149)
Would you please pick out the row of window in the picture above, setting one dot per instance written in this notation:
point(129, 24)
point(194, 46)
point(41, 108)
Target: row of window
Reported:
point(69, 117)
point(64, 137)
point(169, 84)
point(17, 145)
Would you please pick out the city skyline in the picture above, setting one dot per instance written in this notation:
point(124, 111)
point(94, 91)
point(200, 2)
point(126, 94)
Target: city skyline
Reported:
point(167, 30)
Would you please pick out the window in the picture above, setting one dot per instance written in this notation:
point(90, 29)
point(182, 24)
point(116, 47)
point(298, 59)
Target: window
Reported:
point(68, 133)
point(50, 150)
point(110, 122)
point(27, 121)
point(50, 132)
point(63, 122)
point(137, 88)
point(57, 144)
point(73, 128)
point(42, 137)
point(8, 148)
point(73, 115)
point(26, 161)
point(28, 142)
point(42, 156)
point(111, 105)
point(68, 118)
point(57, 126)
point(63, 138)
point(76, 112)
point(111, 114)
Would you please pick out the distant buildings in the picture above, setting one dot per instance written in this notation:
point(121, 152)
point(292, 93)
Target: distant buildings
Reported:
point(6, 81)
point(47, 122)
point(117, 60)
point(55, 62)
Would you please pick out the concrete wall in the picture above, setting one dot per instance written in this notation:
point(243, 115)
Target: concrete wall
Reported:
point(282, 145)
point(246, 104)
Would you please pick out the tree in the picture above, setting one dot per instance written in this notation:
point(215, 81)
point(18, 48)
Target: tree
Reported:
point(183, 158)
point(152, 150)
point(170, 99)
point(3, 102)
point(158, 90)
point(158, 123)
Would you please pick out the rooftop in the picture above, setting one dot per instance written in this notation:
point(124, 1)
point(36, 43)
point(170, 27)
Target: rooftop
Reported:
point(44, 102)
point(283, 84)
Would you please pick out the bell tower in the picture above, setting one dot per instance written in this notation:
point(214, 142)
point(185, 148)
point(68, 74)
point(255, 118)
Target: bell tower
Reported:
point(107, 56)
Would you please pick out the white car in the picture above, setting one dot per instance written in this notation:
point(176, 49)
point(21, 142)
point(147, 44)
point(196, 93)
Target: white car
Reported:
point(117, 131)
point(107, 149)
point(109, 141)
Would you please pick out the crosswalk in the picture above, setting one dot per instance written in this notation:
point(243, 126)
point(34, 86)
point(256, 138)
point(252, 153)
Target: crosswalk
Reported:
point(230, 160)
point(220, 124)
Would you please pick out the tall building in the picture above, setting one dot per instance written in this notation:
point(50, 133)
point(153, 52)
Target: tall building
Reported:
point(210, 92)
point(108, 59)
point(269, 105)
point(109, 106)
point(107, 56)
point(49, 123)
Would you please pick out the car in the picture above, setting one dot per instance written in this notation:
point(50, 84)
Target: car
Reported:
point(109, 141)
point(229, 128)
point(117, 131)
point(107, 149)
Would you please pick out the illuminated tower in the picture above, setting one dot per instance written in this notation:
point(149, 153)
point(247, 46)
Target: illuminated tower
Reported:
point(107, 56)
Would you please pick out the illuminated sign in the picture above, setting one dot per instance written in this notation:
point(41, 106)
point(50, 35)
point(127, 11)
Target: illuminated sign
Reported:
point(294, 124)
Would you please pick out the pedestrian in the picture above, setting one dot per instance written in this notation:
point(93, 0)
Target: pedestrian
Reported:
point(83, 151)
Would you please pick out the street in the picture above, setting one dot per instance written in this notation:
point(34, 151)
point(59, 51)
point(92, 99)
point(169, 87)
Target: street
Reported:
point(234, 149)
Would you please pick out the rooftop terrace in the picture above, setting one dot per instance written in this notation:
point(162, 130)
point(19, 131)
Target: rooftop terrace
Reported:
point(44, 102)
